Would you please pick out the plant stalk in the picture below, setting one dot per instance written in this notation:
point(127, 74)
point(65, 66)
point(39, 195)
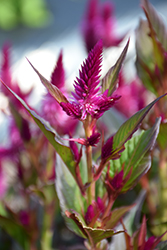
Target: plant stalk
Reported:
point(91, 188)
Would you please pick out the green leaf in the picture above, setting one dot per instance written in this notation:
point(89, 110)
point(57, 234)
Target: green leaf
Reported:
point(116, 215)
point(16, 231)
point(128, 128)
point(156, 22)
point(124, 133)
point(69, 195)
point(136, 156)
point(110, 79)
point(53, 90)
point(94, 235)
point(64, 151)
point(162, 142)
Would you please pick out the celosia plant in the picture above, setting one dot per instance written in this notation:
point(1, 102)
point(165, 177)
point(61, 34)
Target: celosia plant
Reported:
point(92, 170)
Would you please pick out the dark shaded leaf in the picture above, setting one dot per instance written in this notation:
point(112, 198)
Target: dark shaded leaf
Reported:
point(110, 79)
point(16, 231)
point(162, 245)
point(53, 90)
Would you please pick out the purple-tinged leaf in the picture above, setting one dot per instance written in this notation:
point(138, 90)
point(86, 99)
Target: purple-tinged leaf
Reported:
point(109, 81)
point(142, 232)
point(64, 151)
point(53, 90)
point(58, 75)
point(94, 235)
point(156, 22)
point(136, 156)
point(116, 215)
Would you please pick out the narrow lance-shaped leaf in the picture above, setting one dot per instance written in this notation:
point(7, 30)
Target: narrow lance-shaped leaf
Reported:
point(110, 79)
point(156, 21)
point(140, 160)
point(64, 151)
point(53, 90)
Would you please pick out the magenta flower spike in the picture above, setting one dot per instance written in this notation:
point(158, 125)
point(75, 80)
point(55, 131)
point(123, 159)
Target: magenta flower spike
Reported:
point(88, 98)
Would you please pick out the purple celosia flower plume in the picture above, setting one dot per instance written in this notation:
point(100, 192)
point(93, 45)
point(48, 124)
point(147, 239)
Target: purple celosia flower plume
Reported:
point(88, 98)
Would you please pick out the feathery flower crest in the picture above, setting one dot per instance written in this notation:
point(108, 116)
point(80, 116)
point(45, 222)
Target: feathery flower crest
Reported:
point(88, 98)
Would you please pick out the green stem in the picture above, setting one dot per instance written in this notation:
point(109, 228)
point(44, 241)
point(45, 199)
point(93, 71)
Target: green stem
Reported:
point(91, 188)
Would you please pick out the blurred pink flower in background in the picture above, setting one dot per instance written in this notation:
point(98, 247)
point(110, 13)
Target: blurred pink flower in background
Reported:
point(99, 23)
point(6, 76)
point(133, 96)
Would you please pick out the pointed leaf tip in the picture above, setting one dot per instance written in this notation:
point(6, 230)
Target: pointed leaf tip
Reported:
point(53, 90)
point(155, 21)
point(109, 81)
